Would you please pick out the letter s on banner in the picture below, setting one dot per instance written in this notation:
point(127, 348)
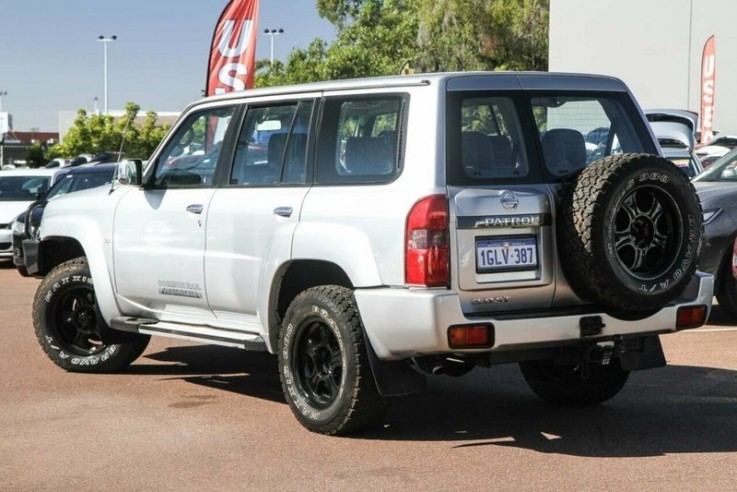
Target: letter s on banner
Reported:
point(233, 48)
point(708, 88)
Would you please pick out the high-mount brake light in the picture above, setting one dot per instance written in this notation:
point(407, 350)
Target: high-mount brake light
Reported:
point(427, 254)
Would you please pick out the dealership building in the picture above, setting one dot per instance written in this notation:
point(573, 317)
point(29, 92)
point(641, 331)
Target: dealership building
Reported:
point(655, 46)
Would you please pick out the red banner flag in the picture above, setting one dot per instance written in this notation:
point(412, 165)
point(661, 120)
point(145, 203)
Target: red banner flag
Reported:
point(233, 49)
point(708, 86)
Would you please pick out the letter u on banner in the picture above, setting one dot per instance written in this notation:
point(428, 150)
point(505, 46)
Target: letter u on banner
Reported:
point(708, 89)
point(233, 48)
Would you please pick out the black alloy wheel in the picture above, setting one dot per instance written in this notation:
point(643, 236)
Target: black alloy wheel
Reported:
point(319, 363)
point(648, 230)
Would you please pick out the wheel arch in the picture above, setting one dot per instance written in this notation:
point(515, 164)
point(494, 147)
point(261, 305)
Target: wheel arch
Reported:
point(294, 277)
point(55, 250)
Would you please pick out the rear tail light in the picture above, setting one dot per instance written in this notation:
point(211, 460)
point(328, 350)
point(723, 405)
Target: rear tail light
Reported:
point(426, 248)
point(690, 317)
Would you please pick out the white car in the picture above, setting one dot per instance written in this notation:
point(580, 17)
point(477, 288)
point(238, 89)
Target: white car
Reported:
point(18, 189)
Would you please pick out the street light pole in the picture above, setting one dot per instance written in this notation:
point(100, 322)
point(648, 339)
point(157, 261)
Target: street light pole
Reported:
point(2, 134)
point(271, 33)
point(105, 40)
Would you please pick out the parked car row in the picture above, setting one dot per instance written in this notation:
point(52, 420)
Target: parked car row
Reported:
point(69, 180)
point(18, 189)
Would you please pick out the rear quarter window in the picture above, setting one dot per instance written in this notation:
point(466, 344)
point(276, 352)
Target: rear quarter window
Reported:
point(360, 139)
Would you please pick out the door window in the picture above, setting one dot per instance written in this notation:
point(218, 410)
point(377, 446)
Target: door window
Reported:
point(191, 155)
point(272, 146)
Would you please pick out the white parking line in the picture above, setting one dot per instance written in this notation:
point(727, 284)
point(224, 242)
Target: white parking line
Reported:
point(709, 330)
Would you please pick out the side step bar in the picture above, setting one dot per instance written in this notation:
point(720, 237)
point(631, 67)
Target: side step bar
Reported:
point(198, 333)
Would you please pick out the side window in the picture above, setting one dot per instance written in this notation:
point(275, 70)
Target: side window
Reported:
point(576, 131)
point(491, 139)
point(190, 157)
point(272, 146)
point(359, 140)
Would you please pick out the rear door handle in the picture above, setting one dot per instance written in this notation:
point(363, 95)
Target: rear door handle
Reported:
point(283, 211)
point(196, 208)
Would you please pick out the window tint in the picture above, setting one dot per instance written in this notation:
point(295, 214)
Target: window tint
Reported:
point(491, 139)
point(78, 182)
point(22, 188)
point(190, 157)
point(576, 131)
point(359, 140)
point(272, 146)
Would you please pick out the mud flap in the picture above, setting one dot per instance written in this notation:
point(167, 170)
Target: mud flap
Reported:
point(394, 377)
point(650, 357)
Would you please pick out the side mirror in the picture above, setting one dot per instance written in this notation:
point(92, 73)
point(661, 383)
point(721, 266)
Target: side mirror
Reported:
point(130, 172)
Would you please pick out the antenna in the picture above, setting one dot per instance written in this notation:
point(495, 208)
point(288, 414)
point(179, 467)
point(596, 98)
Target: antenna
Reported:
point(120, 154)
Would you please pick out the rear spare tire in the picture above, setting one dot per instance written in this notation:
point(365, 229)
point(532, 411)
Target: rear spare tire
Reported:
point(630, 232)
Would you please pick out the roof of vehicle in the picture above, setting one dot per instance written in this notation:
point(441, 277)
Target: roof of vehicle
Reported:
point(29, 172)
point(93, 167)
point(669, 130)
point(666, 114)
point(527, 80)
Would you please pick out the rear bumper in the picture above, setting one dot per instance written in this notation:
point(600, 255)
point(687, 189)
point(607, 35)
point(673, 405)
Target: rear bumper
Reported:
point(402, 323)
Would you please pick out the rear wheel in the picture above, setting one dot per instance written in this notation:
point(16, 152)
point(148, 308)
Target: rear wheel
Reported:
point(574, 385)
point(67, 323)
point(323, 364)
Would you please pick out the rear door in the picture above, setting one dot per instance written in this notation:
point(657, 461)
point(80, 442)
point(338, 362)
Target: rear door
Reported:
point(502, 208)
point(251, 220)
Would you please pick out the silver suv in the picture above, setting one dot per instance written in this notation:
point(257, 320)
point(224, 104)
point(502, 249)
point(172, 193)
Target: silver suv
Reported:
point(369, 232)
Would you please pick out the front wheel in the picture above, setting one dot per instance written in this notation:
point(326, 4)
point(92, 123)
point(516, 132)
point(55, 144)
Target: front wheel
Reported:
point(574, 385)
point(323, 364)
point(67, 323)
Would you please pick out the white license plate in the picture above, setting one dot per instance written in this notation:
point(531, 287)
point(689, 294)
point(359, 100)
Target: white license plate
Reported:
point(506, 254)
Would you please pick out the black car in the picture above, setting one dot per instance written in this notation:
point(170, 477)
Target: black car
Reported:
point(74, 179)
point(717, 189)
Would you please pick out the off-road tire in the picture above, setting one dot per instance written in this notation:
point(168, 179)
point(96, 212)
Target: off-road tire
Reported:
point(629, 232)
point(571, 385)
point(323, 364)
point(67, 321)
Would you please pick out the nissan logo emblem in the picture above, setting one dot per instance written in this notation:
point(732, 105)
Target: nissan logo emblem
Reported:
point(510, 200)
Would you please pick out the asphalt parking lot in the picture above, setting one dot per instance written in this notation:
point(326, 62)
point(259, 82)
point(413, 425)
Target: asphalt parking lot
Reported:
point(195, 417)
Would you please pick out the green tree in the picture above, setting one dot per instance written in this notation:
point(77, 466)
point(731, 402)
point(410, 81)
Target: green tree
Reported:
point(376, 37)
point(35, 156)
point(483, 35)
point(91, 134)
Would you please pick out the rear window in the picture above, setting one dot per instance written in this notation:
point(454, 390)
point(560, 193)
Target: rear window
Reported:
point(576, 131)
point(491, 139)
point(511, 137)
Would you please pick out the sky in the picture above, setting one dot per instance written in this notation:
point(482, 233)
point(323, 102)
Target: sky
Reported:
point(51, 61)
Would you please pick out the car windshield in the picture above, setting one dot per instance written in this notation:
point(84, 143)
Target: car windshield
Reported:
point(77, 182)
point(22, 188)
point(723, 169)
